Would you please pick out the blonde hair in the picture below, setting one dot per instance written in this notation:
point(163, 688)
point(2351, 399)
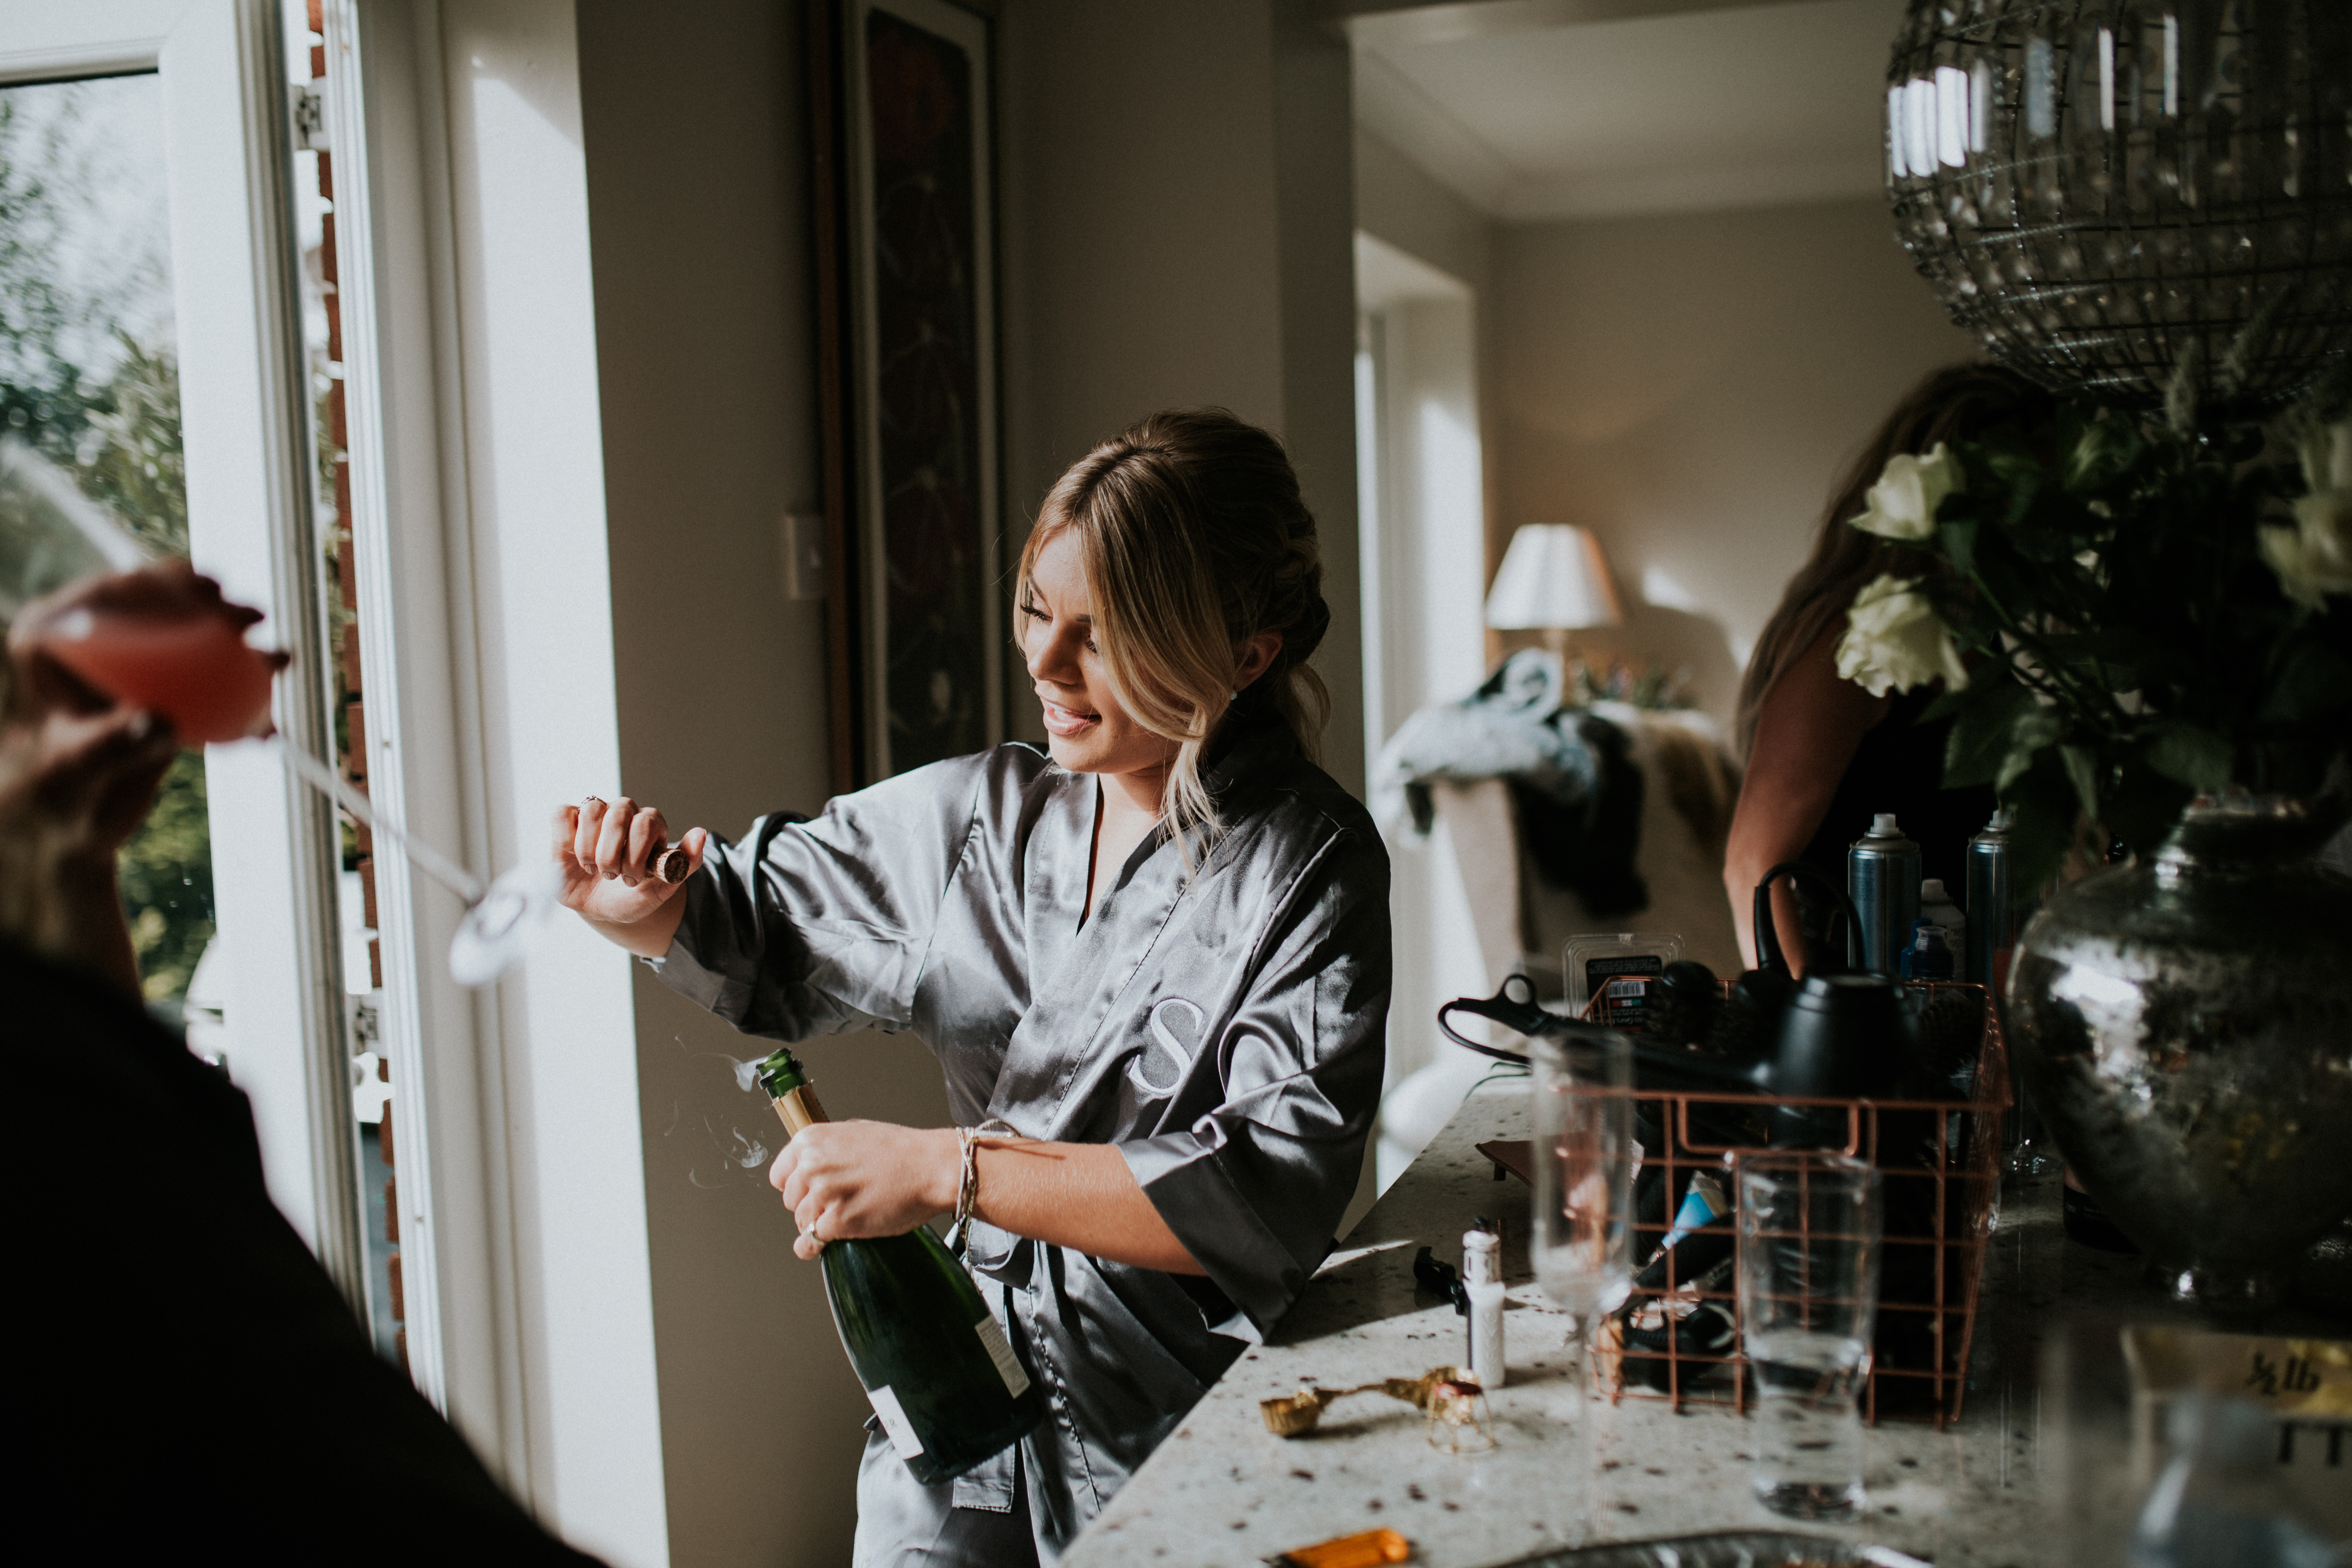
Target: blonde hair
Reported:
point(1192, 539)
point(1962, 400)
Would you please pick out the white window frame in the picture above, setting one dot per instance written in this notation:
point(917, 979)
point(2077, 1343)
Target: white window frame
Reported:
point(474, 433)
point(410, 543)
point(245, 432)
point(475, 463)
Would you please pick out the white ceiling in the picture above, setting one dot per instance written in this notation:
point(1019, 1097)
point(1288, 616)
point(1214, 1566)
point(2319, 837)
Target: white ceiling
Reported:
point(1528, 119)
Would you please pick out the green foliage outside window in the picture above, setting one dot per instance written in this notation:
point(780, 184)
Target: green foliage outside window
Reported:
point(167, 883)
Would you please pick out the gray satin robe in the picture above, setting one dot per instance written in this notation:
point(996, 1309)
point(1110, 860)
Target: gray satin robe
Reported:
point(1227, 1036)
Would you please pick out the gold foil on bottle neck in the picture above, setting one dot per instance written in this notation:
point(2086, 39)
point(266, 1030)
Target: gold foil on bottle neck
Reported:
point(798, 1108)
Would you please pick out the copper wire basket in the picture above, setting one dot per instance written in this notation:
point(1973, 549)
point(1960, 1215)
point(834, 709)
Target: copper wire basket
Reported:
point(1939, 1161)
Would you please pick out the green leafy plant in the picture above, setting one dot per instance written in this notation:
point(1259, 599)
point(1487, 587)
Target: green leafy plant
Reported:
point(167, 873)
point(2127, 611)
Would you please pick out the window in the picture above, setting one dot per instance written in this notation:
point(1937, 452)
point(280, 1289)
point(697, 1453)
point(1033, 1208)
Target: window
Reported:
point(160, 376)
point(90, 467)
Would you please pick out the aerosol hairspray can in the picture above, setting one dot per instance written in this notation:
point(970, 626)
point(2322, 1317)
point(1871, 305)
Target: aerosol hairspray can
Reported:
point(1881, 873)
point(1992, 940)
point(1991, 909)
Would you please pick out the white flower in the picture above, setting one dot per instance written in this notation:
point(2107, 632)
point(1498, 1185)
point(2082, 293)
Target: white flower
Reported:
point(2314, 558)
point(1903, 502)
point(1894, 639)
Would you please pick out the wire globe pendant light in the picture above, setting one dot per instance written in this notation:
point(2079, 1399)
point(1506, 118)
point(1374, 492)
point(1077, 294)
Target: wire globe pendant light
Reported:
point(2106, 191)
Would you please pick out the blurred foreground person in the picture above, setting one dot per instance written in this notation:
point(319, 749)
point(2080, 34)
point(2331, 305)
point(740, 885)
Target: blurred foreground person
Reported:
point(187, 1375)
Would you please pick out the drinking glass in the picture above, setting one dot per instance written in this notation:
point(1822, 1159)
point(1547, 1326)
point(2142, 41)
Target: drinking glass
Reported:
point(501, 920)
point(1583, 1123)
point(1583, 1222)
point(1809, 1252)
point(163, 647)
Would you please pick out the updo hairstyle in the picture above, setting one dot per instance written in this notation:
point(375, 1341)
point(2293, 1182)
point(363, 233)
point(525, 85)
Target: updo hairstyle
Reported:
point(1192, 539)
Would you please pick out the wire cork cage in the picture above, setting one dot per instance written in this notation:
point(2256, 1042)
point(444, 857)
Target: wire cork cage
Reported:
point(2103, 190)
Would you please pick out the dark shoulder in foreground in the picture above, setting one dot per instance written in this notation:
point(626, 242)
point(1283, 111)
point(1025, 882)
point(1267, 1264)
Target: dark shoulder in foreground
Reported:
point(194, 1358)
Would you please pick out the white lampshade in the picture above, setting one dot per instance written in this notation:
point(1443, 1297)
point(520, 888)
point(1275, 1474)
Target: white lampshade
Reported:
point(1553, 579)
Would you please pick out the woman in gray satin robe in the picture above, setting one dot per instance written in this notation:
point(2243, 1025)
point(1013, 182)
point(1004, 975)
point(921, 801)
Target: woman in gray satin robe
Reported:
point(1160, 954)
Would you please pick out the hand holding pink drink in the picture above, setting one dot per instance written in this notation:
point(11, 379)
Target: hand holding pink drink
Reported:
point(166, 643)
point(160, 639)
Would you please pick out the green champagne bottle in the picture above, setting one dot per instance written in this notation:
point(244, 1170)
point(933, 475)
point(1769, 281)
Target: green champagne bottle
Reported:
point(934, 1360)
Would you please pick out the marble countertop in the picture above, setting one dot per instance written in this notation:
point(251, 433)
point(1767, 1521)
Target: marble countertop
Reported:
point(1224, 1490)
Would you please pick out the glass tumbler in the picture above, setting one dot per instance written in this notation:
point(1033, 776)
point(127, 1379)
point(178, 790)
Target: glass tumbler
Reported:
point(1582, 1229)
point(1809, 1254)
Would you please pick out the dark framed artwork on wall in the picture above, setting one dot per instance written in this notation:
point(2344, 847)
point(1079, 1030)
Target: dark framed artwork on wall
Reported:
point(906, 297)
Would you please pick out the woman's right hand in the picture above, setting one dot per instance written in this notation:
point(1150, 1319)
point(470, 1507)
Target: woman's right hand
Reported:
point(604, 848)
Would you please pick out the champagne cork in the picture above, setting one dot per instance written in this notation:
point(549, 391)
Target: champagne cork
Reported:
point(667, 861)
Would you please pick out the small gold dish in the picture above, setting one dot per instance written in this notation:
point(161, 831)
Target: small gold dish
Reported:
point(1295, 1414)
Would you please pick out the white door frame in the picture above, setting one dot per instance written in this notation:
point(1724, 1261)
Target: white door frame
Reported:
point(478, 519)
point(405, 418)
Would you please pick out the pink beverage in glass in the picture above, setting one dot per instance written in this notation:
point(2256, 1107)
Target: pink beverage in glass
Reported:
point(194, 669)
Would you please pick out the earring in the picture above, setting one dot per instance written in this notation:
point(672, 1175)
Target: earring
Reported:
point(1234, 695)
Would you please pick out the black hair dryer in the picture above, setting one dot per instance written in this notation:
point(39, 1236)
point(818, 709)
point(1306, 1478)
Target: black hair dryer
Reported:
point(1748, 1029)
point(1840, 1033)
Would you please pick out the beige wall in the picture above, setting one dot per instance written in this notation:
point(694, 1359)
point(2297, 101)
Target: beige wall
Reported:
point(1177, 221)
point(695, 125)
point(1688, 387)
point(1399, 202)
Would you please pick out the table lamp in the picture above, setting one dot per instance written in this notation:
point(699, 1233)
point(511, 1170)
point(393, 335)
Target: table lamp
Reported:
point(1553, 580)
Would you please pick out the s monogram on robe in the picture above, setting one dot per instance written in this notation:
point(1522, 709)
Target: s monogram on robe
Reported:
point(1226, 1031)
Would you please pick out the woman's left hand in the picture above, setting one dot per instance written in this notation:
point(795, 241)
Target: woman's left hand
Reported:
point(844, 1179)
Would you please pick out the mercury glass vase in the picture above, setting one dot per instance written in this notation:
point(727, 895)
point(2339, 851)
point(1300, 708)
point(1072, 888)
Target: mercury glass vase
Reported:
point(2185, 1024)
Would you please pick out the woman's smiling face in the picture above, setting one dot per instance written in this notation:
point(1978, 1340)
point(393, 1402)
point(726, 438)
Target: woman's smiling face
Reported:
point(1089, 731)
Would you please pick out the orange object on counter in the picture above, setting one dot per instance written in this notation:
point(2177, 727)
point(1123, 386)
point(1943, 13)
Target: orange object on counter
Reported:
point(1366, 1551)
